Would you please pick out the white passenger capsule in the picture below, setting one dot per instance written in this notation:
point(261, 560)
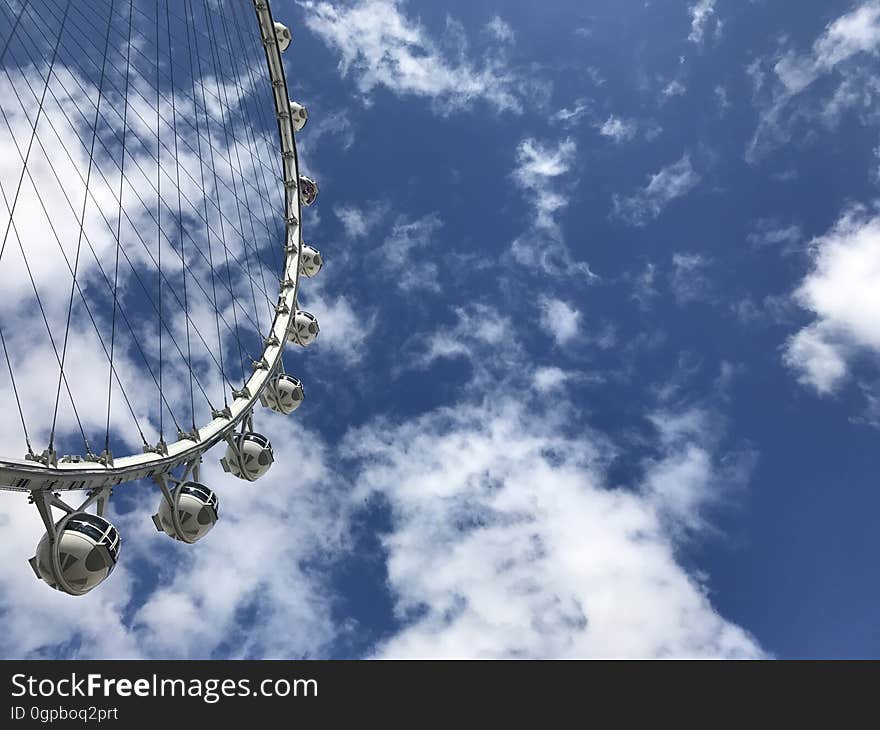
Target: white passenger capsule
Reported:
point(310, 261)
point(299, 115)
point(308, 189)
point(196, 508)
point(283, 394)
point(282, 35)
point(248, 457)
point(303, 328)
point(84, 553)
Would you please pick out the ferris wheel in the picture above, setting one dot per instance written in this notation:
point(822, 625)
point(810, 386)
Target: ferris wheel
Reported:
point(150, 260)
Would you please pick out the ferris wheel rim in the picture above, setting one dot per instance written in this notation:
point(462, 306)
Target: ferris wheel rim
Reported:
point(46, 473)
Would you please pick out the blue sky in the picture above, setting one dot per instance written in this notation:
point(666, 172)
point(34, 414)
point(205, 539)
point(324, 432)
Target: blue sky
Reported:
point(597, 373)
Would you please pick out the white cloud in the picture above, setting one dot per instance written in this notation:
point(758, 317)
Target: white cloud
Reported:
point(703, 17)
point(644, 288)
point(769, 232)
point(381, 47)
point(538, 169)
point(673, 88)
point(506, 543)
point(817, 359)
point(569, 117)
point(550, 378)
point(722, 99)
point(478, 329)
point(617, 129)
point(358, 222)
point(848, 37)
point(402, 254)
point(842, 293)
point(560, 319)
point(500, 29)
point(345, 327)
point(673, 181)
point(688, 280)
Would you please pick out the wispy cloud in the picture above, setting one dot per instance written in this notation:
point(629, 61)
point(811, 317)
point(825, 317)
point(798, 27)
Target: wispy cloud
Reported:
point(500, 30)
point(618, 130)
point(381, 47)
point(539, 168)
point(688, 279)
point(358, 221)
point(398, 253)
point(569, 117)
point(770, 232)
point(781, 81)
point(703, 20)
point(672, 182)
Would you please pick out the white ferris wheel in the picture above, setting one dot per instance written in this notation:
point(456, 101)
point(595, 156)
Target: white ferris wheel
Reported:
point(150, 260)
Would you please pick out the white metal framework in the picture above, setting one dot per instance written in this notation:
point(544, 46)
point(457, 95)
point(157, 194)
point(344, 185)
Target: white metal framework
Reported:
point(44, 476)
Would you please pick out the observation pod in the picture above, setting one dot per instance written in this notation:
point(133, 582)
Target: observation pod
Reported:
point(195, 507)
point(310, 261)
point(299, 115)
point(303, 329)
point(83, 554)
point(248, 456)
point(283, 394)
point(282, 35)
point(308, 189)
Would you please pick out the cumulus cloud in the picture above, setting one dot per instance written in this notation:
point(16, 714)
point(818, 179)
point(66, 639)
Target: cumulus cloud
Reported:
point(505, 541)
point(842, 294)
point(381, 47)
point(673, 181)
point(560, 319)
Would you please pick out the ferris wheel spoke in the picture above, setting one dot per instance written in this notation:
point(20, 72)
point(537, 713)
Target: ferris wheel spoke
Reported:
point(78, 288)
point(75, 271)
point(9, 367)
point(97, 259)
point(164, 121)
point(180, 225)
point(248, 126)
point(154, 176)
point(119, 234)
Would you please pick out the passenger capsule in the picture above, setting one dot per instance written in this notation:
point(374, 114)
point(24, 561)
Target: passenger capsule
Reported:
point(283, 394)
point(310, 261)
point(248, 457)
point(282, 35)
point(83, 554)
point(308, 189)
point(303, 328)
point(299, 115)
point(196, 508)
